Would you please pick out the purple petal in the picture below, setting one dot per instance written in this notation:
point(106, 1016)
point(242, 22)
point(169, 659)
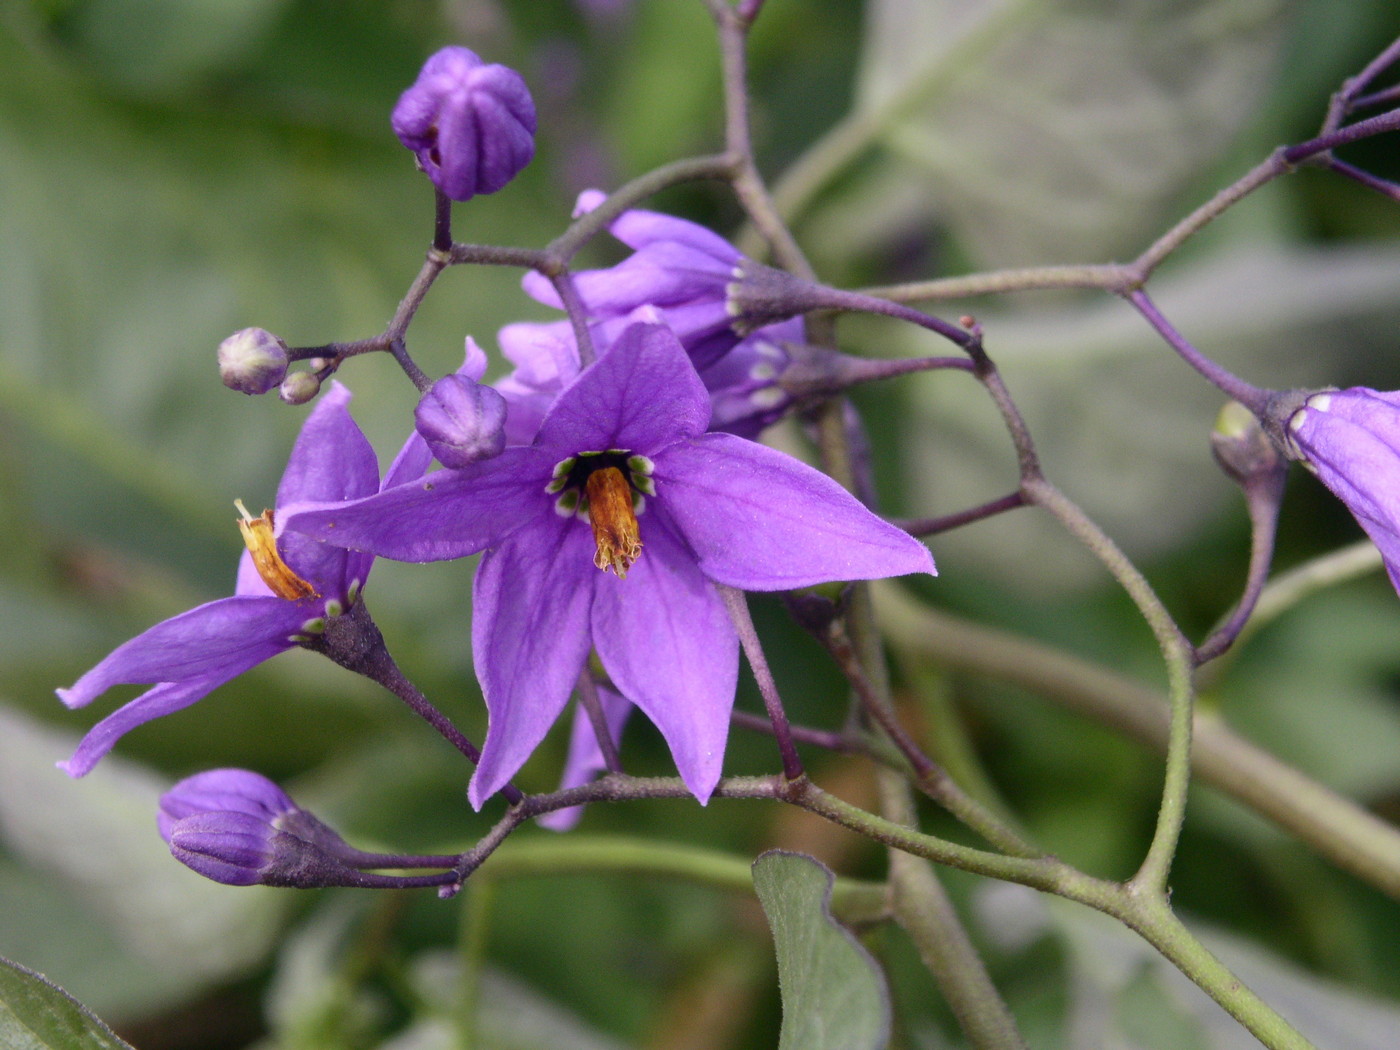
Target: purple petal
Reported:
point(639, 228)
point(530, 638)
point(331, 461)
point(220, 638)
point(410, 464)
point(759, 520)
point(222, 790)
point(662, 274)
point(164, 699)
point(585, 759)
point(640, 395)
point(449, 514)
point(667, 643)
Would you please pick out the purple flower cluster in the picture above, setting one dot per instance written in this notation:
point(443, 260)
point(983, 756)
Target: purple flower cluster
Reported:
point(610, 505)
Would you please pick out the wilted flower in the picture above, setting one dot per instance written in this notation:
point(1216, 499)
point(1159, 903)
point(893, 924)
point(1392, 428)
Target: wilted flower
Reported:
point(471, 125)
point(190, 655)
point(1351, 440)
point(622, 477)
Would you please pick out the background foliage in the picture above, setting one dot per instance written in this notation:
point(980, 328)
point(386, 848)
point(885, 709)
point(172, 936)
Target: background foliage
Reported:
point(173, 170)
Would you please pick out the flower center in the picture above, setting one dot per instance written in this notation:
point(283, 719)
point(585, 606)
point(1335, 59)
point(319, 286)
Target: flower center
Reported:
point(276, 573)
point(609, 489)
point(614, 522)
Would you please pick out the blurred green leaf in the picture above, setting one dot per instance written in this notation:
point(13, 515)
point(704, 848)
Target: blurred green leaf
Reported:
point(1119, 984)
point(36, 1014)
point(1060, 131)
point(834, 996)
point(161, 45)
point(114, 915)
point(511, 1015)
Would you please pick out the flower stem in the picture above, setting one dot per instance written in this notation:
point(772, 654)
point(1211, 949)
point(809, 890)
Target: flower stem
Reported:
point(355, 643)
point(922, 907)
point(738, 608)
point(1176, 652)
point(1263, 498)
point(948, 522)
point(588, 697)
point(1252, 397)
point(931, 778)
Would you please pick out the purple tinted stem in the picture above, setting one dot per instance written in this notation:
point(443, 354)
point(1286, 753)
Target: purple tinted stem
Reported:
point(1252, 397)
point(588, 697)
point(738, 607)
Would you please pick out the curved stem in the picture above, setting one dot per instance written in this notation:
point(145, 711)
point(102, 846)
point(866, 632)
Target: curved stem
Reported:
point(922, 907)
point(1176, 652)
point(1263, 499)
point(930, 778)
point(1335, 827)
point(1252, 397)
point(354, 642)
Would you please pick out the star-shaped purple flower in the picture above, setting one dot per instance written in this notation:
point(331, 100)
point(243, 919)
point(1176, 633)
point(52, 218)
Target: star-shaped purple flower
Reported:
point(190, 655)
point(674, 511)
point(1351, 441)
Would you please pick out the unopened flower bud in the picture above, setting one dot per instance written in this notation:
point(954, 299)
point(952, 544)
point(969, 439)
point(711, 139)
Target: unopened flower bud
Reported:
point(239, 828)
point(462, 421)
point(471, 124)
point(1241, 446)
point(252, 360)
point(299, 388)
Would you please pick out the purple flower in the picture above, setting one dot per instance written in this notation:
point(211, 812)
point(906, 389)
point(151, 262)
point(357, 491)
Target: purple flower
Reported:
point(471, 125)
point(1351, 440)
point(679, 267)
point(745, 384)
point(190, 655)
point(239, 828)
point(461, 420)
point(622, 477)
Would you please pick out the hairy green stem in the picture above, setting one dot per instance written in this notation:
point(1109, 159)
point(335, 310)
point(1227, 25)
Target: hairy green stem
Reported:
point(852, 900)
point(1179, 656)
point(1334, 826)
point(922, 907)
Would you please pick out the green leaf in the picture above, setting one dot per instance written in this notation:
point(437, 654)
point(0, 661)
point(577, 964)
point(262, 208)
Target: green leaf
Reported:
point(985, 102)
point(36, 1014)
point(834, 995)
point(94, 897)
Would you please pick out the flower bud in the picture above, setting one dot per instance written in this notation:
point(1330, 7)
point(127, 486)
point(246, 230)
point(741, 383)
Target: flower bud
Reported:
point(1241, 446)
point(471, 125)
point(299, 388)
point(462, 421)
point(233, 848)
point(241, 829)
point(252, 360)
